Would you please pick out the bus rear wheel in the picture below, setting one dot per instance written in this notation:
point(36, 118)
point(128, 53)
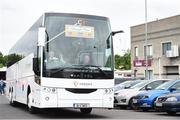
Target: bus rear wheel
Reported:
point(86, 110)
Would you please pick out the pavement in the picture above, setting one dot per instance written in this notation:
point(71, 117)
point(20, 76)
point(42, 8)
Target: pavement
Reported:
point(20, 112)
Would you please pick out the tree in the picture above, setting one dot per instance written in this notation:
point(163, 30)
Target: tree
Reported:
point(123, 62)
point(127, 60)
point(8, 60)
point(2, 61)
point(117, 61)
point(13, 58)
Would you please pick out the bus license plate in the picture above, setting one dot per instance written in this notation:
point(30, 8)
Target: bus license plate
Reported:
point(81, 105)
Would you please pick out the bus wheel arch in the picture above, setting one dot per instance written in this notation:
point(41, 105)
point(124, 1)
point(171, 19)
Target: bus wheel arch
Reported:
point(30, 108)
point(11, 96)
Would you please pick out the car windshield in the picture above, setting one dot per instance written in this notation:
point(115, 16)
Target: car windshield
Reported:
point(164, 86)
point(121, 85)
point(135, 82)
point(139, 85)
point(127, 84)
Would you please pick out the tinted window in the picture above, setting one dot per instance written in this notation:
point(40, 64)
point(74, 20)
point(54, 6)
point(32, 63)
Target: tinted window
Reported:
point(176, 86)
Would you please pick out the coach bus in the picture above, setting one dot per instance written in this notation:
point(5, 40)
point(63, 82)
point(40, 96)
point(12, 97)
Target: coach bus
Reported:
point(64, 80)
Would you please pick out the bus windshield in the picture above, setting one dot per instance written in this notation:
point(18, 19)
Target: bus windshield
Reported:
point(78, 44)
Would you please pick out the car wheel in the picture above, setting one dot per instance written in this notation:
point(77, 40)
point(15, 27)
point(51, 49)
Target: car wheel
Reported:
point(131, 105)
point(86, 110)
point(171, 112)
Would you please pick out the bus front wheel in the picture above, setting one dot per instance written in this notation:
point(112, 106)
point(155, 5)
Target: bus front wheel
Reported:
point(86, 110)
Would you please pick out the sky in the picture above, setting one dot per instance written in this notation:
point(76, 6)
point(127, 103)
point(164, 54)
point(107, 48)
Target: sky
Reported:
point(17, 16)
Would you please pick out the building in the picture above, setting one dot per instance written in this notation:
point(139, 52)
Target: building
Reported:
point(163, 49)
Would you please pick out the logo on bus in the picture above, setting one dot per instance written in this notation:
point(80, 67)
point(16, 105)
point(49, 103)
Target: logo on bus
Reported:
point(76, 83)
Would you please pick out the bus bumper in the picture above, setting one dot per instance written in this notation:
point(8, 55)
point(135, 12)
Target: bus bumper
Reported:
point(65, 99)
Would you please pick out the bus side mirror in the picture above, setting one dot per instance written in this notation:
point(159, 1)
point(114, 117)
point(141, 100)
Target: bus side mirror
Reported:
point(36, 66)
point(41, 36)
point(115, 32)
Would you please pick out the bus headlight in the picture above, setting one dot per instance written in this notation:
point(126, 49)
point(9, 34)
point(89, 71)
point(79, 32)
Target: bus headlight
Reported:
point(108, 91)
point(49, 90)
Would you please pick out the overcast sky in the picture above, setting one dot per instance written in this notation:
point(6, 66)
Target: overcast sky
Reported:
point(17, 16)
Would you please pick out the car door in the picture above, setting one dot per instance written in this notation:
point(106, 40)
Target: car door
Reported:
point(175, 87)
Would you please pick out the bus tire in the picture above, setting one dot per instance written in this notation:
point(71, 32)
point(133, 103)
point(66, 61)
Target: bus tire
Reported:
point(30, 108)
point(86, 110)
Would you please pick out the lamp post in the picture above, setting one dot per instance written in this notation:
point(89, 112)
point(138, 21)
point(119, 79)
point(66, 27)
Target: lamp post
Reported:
point(146, 49)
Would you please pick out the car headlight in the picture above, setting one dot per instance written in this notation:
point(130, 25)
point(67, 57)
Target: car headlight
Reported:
point(171, 99)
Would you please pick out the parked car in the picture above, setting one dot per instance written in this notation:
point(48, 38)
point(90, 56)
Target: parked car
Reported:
point(145, 100)
point(126, 84)
point(169, 103)
point(124, 97)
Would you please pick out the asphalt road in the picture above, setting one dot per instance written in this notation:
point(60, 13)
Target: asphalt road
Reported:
point(20, 112)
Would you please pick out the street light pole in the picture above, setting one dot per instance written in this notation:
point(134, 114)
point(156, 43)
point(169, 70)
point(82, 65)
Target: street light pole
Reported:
point(146, 49)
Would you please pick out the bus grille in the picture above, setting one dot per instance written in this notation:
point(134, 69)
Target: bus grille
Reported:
point(80, 91)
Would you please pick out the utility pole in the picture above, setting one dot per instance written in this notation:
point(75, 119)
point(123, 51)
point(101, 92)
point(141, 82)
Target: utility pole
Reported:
point(146, 42)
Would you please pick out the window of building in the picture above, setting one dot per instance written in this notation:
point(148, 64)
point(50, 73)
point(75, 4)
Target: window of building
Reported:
point(165, 47)
point(149, 51)
point(149, 74)
point(136, 52)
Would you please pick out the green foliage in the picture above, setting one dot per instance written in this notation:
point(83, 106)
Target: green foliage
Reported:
point(2, 60)
point(123, 62)
point(13, 58)
point(9, 59)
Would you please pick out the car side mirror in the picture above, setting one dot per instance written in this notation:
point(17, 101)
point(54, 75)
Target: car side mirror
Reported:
point(127, 86)
point(148, 88)
point(172, 89)
point(36, 66)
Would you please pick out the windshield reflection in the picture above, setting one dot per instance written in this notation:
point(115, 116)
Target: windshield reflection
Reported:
point(81, 42)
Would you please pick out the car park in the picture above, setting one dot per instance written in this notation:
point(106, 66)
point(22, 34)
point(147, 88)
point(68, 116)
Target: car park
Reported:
point(124, 97)
point(169, 103)
point(145, 100)
point(126, 84)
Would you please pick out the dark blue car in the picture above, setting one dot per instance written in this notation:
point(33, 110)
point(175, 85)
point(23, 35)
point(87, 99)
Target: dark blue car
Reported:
point(169, 103)
point(145, 100)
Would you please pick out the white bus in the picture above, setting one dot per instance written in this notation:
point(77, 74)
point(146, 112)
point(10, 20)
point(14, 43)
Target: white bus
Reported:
point(64, 81)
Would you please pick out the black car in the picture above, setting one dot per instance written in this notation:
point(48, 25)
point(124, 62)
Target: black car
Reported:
point(169, 103)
